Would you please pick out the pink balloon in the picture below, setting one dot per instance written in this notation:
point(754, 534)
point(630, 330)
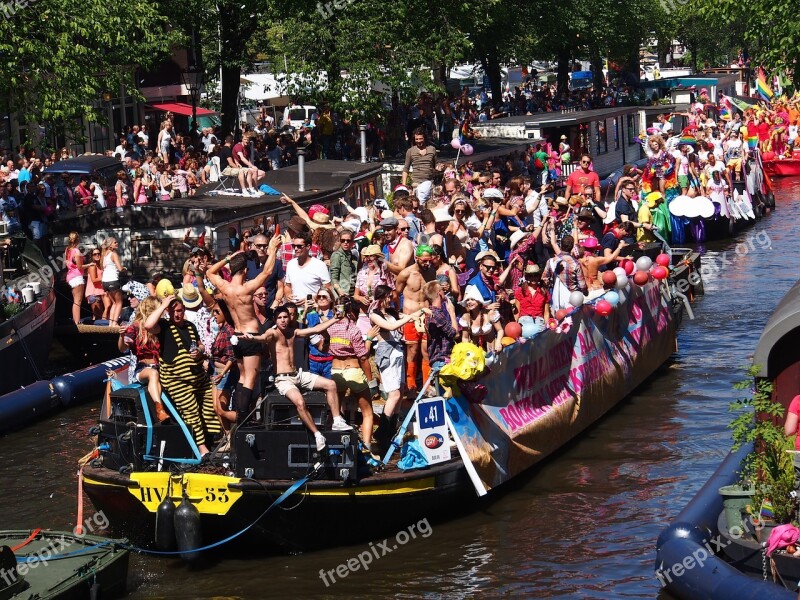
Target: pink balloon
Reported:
point(663, 260)
point(467, 149)
point(628, 265)
point(603, 308)
point(659, 272)
point(456, 144)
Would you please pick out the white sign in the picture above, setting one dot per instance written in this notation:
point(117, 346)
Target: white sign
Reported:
point(433, 438)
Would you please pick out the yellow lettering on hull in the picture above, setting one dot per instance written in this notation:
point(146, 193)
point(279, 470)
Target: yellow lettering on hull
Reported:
point(210, 494)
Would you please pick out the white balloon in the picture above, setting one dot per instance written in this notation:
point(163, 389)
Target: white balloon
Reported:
point(622, 281)
point(623, 295)
point(620, 271)
point(644, 263)
point(576, 299)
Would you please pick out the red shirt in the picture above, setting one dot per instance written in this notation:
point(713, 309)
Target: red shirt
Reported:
point(141, 351)
point(579, 180)
point(532, 304)
point(794, 408)
point(239, 148)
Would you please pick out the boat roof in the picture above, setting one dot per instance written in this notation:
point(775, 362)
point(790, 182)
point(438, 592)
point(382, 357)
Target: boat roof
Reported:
point(776, 348)
point(86, 163)
point(558, 119)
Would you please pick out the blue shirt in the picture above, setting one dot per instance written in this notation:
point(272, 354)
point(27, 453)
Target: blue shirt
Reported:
point(487, 294)
point(271, 285)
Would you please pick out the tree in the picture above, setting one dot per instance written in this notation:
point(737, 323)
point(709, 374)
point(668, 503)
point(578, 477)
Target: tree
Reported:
point(61, 55)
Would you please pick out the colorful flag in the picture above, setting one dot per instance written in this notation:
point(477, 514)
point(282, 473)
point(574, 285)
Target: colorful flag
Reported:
point(762, 87)
point(767, 511)
point(724, 108)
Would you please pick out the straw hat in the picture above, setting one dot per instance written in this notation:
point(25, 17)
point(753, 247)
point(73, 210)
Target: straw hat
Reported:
point(487, 254)
point(442, 215)
point(532, 269)
point(372, 250)
point(561, 201)
point(190, 296)
point(517, 237)
point(321, 218)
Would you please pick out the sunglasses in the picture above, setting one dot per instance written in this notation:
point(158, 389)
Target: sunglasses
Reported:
point(259, 295)
point(323, 297)
point(261, 246)
point(585, 162)
point(490, 267)
point(298, 246)
point(346, 241)
point(403, 228)
point(95, 254)
point(459, 211)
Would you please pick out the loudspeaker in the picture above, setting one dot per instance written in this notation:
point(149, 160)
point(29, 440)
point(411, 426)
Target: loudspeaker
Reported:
point(280, 413)
point(291, 455)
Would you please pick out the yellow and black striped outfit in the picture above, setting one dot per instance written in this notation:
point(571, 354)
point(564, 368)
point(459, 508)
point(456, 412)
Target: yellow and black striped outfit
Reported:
point(184, 379)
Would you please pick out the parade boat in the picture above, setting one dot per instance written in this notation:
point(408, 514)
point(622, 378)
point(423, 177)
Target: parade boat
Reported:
point(733, 561)
point(61, 565)
point(273, 493)
point(27, 315)
point(782, 167)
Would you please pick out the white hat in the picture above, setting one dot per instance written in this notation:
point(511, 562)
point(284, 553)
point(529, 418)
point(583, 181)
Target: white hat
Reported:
point(386, 214)
point(381, 203)
point(472, 293)
point(442, 216)
point(351, 225)
point(362, 213)
point(517, 237)
point(493, 193)
point(424, 190)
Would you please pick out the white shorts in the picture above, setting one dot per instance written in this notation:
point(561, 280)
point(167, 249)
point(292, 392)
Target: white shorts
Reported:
point(76, 281)
point(300, 380)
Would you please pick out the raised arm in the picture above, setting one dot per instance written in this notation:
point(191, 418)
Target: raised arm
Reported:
point(309, 331)
point(301, 212)
point(269, 266)
point(152, 322)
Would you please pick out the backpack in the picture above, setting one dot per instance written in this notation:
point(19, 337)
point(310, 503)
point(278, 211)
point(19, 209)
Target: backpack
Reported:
point(537, 162)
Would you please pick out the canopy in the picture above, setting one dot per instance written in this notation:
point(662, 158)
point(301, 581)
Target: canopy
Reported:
point(181, 108)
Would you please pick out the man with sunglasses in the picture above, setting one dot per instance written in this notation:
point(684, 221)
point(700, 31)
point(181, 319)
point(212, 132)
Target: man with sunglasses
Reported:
point(625, 209)
point(238, 295)
point(398, 249)
point(305, 275)
point(273, 286)
point(580, 178)
point(484, 280)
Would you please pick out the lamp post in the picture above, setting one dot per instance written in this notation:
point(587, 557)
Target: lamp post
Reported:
point(193, 80)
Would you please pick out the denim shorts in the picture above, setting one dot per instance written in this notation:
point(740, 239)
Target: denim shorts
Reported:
point(228, 381)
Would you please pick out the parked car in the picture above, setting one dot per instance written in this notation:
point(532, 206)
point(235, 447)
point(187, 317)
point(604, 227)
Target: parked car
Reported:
point(296, 116)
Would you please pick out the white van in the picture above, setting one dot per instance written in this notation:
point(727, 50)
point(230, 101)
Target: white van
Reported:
point(296, 116)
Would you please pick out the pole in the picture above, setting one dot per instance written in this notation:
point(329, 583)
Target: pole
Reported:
point(301, 169)
point(363, 129)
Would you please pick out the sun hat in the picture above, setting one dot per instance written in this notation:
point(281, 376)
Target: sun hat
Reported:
point(372, 250)
point(442, 215)
point(362, 213)
point(517, 237)
point(586, 214)
point(532, 269)
point(590, 243)
point(190, 296)
point(487, 254)
point(321, 218)
point(561, 201)
point(472, 293)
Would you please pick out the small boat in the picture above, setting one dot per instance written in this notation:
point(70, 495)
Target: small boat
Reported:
point(539, 396)
point(782, 167)
point(61, 565)
point(26, 323)
point(702, 553)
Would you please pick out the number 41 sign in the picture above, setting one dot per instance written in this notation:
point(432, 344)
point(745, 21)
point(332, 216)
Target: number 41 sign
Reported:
point(433, 430)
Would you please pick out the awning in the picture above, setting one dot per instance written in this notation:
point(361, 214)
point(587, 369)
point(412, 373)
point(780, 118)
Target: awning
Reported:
point(777, 347)
point(181, 108)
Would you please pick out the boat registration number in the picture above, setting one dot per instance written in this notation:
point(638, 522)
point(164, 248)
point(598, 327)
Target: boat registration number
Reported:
point(210, 494)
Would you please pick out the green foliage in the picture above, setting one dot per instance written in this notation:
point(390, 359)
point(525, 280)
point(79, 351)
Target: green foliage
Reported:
point(59, 56)
point(769, 467)
point(10, 309)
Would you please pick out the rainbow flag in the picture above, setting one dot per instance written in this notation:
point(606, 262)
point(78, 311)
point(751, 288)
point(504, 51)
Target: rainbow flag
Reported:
point(767, 511)
point(762, 87)
point(724, 108)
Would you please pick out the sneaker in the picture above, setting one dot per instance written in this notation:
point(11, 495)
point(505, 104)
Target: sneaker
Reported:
point(256, 193)
point(339, 424)
point(246, 194)
point(321, 441)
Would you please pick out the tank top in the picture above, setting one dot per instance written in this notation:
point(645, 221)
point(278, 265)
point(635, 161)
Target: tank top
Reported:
point(91, 289)
point(110, 271)
point(99, 196)
point(72, 268)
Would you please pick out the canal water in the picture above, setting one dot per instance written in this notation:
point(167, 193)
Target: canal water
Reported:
point(583, 525)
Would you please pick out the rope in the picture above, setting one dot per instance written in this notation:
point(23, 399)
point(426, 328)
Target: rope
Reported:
point(30, 538)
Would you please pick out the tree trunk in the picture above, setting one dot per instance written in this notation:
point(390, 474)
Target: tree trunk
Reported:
point(562, 78)
point(230, 99)
point(598, 80)
point(492, 67)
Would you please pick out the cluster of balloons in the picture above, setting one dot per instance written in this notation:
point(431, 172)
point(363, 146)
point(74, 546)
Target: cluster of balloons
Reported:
point(617, 281)
point(466, 149)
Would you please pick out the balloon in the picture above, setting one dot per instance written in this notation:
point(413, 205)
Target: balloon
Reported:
point(507, 341)
point(467, 149)
point(576, 299)
point(609, 278)
point(619, 271)
point(622, 281)
point(623, 295)
point(612, 298)
point(663, 260)
point(513, 329)
point(456, 144)
point(644, 263)
point(164, 289)
point(603, 307)
point(561, 313)
point(628, 265)
point(641, 277)
point(660, 272)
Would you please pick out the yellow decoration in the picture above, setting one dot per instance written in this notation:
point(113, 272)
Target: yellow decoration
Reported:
point(210, 494)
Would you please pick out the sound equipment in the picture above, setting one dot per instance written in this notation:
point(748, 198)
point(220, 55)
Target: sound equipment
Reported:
point(281, 413)
point(291, 454)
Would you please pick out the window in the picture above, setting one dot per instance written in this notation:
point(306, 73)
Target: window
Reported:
point(601, 137)
point(631, 135)
point(616, 133)
point(144, 249)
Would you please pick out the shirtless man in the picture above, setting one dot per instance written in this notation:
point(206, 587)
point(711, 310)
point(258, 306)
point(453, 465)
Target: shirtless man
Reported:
point(401, 250)
point(238, 295)
point(591, 262)
point(410, 283)
point(442, 268)
point(290, 380)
